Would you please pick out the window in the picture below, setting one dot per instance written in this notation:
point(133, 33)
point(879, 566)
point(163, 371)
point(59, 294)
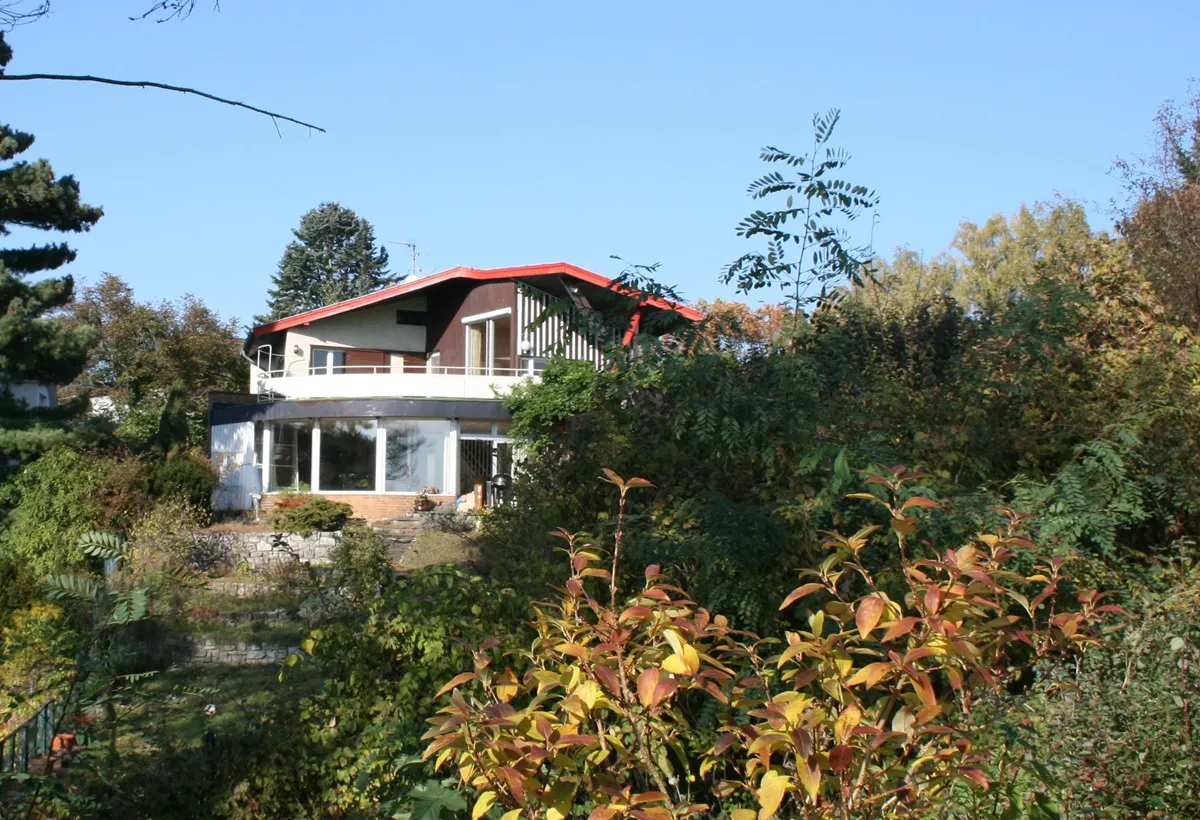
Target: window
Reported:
point(291, 456)
point(347, 455)
point(410, 317)
point(483, 428)
point(416, 454)
point(258, 443)
point(328, 362)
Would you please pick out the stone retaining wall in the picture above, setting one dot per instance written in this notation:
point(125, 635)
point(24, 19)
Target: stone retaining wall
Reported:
point(208, 652)
point(242, 589)
point(260, 550)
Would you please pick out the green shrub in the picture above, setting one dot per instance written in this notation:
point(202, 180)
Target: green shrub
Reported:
point(51, 502)
point(1122, 732)
point(189, 476)
point(304, 514)
point(360, 564)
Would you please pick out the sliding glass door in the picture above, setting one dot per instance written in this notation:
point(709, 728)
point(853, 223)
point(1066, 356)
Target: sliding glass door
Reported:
point(489, 349)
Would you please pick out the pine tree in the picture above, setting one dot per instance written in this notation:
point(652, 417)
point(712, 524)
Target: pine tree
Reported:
point(36, 346)
point(334, 257)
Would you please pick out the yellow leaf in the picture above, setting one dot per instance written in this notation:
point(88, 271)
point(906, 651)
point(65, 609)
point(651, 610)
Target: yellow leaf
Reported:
point(686, 663)
point(483, 805)
point(771, 791)
point(742, 814)
point(810, 777)
point(674, 640)
point(588, 692)
point(846, 723)
point(511, 815)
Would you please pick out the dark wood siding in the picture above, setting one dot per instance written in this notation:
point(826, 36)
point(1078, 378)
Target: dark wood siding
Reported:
point(358, 359)
point(448, 307)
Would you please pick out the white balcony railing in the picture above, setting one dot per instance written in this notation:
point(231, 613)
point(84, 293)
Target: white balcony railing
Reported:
point(302, 381)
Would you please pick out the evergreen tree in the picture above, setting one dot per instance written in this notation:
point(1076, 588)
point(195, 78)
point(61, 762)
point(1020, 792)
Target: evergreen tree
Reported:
point(36, 346)
point(334, 257)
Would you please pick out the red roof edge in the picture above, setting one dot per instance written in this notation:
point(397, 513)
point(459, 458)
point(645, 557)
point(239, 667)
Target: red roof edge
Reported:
point(476, 274)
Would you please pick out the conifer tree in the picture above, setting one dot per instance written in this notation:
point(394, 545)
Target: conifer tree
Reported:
point(35, 345)
point(333, 257)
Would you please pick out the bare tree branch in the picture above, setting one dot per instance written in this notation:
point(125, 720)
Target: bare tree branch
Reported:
point(12, 15)
point(165, 10)
point(87, 78)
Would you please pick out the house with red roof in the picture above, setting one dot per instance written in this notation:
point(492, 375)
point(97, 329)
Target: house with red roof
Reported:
point(395, 395)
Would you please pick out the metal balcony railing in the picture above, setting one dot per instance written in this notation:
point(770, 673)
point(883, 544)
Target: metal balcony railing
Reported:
point(31, 740)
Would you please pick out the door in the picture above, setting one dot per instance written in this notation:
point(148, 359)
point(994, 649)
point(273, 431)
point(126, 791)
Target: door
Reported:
point(489, 347)
point(481, 460)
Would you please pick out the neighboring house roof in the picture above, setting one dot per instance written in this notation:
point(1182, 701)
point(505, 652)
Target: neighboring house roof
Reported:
point(475, 274)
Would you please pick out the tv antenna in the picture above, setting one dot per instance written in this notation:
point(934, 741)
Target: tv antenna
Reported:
point(414, 271)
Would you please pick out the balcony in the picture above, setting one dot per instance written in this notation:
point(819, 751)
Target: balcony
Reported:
point(302, 381)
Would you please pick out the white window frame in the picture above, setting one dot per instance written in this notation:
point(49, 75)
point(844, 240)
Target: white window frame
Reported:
point(489, 343)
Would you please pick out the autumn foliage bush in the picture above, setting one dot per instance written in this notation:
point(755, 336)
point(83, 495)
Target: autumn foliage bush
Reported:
point(645, 705)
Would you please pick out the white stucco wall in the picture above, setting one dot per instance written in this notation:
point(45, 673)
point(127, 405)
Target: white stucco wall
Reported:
point(232, 453)
point(371, 327)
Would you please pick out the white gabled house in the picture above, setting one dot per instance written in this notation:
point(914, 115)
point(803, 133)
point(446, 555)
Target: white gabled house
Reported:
point(379, 398)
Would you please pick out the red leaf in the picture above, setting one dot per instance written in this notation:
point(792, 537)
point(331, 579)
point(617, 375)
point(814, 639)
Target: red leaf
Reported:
point(976, 775)
point(840, 758)
point(608, 678)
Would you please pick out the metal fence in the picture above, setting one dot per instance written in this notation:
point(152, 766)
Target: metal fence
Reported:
point(31, 740)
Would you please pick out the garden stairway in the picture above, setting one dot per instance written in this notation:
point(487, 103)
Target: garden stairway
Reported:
point(399, 534)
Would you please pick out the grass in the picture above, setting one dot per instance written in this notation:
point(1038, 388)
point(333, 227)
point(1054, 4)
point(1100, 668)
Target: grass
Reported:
point(224, 604)
point(432, 548)
point(174, 708)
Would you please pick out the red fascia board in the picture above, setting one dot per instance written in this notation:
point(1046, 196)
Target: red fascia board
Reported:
point(474, 274)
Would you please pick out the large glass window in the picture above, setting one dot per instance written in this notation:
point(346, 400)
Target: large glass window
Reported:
point(291, 455)
point(347, 455)
point(416, 454)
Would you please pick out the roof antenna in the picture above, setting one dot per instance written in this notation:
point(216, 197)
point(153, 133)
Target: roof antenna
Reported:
point(414, 271)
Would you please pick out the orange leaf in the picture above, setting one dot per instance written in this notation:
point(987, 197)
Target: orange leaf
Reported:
point(918, 501)
point(868, 614)
point(933, 599)
point(455, 682)
point(646, 683)
point(924, 690)
point(870, 674)
point(798, 593)
point(899, 628)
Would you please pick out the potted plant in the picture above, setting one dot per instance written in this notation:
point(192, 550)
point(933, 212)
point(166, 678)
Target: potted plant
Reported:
point(423, 502)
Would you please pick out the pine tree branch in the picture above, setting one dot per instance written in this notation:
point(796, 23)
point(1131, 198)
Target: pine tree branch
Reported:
point(88, 78)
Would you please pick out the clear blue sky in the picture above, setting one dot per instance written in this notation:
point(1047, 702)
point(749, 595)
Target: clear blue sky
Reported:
point(508, 133)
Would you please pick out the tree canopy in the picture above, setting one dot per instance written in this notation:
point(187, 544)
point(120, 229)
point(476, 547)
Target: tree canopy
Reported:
point(36, 346)
point(334, 256)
